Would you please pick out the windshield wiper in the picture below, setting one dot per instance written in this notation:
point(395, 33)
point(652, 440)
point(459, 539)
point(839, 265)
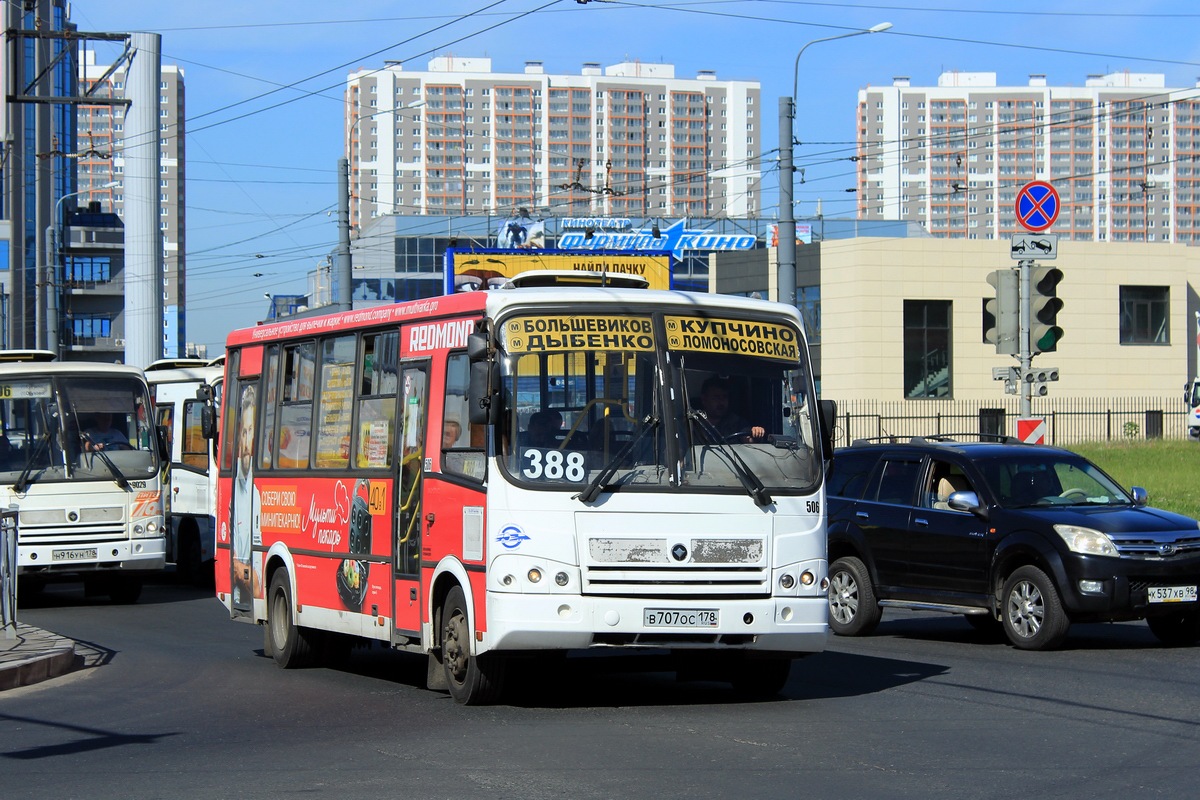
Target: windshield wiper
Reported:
point(26, 478)
point(118, 476)
point(601, 480)
point(754, 487)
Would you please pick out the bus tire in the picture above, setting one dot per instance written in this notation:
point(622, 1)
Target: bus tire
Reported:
point(290, 645)
point(472, 680)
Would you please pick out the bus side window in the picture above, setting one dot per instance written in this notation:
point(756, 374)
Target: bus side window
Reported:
point(295, 412)
point(377, 385)
point(462, 444)
point(271, 387)
point(336, 402)
point(194, 447)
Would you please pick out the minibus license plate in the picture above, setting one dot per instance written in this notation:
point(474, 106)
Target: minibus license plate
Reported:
point(73, 555)
point(1172, 594)
point(681, 618)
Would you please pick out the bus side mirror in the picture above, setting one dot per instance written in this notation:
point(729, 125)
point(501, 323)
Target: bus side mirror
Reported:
point(827, 422)
point(164, 447)
point(482, 394)
point(208, 422)
point(477, 346)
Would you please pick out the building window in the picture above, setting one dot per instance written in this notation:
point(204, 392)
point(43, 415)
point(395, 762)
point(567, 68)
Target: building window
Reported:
point(1144, 315)
point(927, 371)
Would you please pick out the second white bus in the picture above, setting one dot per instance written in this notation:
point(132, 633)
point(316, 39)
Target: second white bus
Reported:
point(179, 388)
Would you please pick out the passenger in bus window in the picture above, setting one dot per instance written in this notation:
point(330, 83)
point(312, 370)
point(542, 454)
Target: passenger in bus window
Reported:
point(101, 435)
point(543, 428)
point(451, 431)
point(714, 402)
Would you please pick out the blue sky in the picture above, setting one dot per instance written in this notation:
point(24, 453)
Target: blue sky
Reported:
point(264, 89)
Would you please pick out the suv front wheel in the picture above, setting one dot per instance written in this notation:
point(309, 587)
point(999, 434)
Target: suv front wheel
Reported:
point(1032, 612)
point(853, 609)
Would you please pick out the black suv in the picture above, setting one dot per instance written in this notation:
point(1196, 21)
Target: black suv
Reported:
point(1028, 537)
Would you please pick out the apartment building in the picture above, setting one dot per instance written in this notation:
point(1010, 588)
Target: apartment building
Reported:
point(628, 140)
point(101, 161)
point(1122, 150)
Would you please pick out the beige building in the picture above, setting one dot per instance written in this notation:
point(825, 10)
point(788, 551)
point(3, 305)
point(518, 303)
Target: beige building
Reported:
point(903, 319)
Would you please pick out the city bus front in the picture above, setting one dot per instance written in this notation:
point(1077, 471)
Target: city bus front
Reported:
point(81, 460)
point(659, 480)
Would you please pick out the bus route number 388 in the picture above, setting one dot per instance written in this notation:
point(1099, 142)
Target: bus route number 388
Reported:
point(553, 465)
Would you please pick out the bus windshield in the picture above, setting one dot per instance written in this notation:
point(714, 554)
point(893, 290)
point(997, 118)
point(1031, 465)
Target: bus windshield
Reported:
point(75, 428)
point(657, 401)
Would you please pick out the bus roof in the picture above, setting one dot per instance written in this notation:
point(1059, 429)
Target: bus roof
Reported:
point(203, 373)
point(495, 301)
point(21, 368)
point(27, 356)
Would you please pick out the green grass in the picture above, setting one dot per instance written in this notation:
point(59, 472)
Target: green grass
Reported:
point(1166, 469)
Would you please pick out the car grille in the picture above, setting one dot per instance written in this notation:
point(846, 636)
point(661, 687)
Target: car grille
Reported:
point(1156, 546)
point(677, 566)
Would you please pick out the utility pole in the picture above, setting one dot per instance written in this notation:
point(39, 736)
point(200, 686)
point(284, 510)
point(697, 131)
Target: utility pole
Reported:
point(345, 271)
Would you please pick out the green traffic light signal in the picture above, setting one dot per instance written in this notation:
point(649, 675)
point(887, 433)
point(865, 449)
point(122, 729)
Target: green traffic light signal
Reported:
point(1044, 305)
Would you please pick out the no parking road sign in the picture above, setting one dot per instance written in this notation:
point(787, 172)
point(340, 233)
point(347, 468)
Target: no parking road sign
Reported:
point(1037, 206)
point(1031, 430)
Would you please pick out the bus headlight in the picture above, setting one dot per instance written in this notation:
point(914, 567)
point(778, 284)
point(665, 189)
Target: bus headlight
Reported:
point(147, 529)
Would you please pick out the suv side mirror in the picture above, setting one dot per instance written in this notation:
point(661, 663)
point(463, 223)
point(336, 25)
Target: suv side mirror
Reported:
point(967, 501)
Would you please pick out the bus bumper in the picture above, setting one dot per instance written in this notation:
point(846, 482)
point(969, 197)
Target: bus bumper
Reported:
point(568, 622)
point(133, 555)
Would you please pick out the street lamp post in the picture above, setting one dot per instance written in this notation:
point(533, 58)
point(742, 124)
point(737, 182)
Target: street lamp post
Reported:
point(786, 274)
point(47, 327)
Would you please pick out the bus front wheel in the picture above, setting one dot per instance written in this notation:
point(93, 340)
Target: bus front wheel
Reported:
point(472, 680)
point(290, 645)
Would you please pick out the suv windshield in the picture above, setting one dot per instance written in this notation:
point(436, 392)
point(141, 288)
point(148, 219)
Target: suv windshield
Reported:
point(1049, 479)
point(632, 401)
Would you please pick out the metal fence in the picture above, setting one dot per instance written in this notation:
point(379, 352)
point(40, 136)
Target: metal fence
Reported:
point(1068, 420)
point(8, 571)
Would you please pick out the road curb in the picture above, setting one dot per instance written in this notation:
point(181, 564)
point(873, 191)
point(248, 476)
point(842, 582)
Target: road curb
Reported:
point(32, 656)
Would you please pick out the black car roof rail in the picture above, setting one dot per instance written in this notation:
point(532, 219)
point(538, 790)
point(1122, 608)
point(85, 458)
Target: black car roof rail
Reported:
point(939, 438)
point(971, 436)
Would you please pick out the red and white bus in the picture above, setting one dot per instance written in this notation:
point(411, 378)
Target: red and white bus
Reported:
point(389, 474)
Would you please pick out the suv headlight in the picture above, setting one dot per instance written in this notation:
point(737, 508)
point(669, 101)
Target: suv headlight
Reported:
point(1088, 541)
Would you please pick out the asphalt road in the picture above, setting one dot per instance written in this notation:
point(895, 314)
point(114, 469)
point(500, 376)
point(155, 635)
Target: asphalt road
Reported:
point(175, 701)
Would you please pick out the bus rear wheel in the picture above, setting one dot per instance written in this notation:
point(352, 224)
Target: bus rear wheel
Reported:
point(472, 680)
point(290, 645)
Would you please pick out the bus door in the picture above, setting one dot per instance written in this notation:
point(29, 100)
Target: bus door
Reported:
point(414, 402)
point(244, 533)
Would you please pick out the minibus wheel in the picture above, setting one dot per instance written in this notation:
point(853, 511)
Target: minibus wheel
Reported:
point(472, 680)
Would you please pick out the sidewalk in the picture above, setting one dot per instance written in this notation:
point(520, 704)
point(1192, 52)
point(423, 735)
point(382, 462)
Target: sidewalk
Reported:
point(33, 655)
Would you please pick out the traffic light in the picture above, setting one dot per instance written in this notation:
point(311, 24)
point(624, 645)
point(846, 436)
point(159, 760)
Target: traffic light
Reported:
point(1004, 325)
point(1044, 305)
point(1038, 377)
